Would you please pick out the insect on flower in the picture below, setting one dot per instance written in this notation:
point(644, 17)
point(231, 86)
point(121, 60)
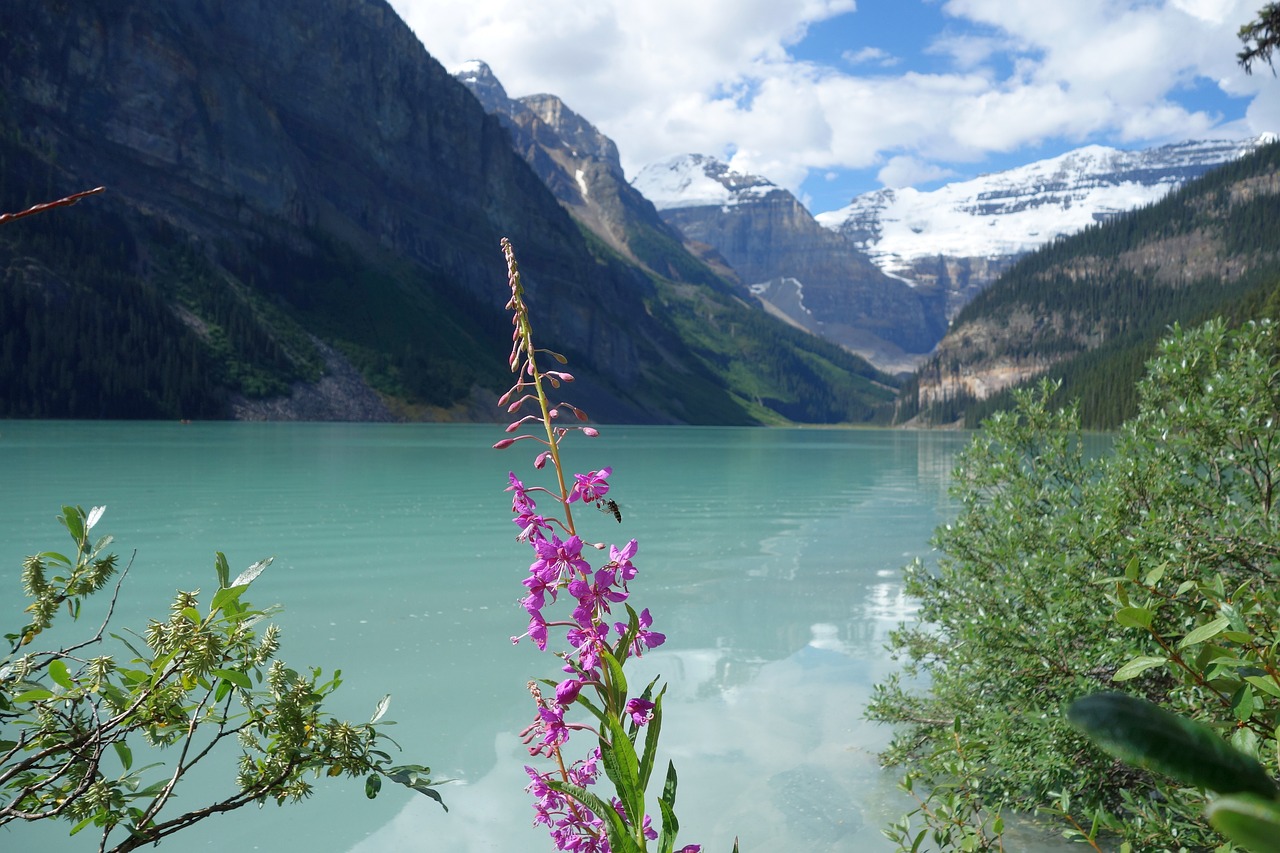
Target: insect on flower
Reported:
point(611, 506)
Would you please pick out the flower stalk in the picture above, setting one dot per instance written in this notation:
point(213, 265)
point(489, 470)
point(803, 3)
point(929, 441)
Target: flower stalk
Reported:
point(598, 647)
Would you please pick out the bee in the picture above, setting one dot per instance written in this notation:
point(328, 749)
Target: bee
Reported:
point(606, 505)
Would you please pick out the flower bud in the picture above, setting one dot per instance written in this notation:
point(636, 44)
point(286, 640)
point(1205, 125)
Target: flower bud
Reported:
point(567, 691)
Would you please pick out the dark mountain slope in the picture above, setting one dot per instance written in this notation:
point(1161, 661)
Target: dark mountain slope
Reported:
point(306, 191)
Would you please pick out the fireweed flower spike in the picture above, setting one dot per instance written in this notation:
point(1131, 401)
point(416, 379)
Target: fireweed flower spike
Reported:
point(596, 686)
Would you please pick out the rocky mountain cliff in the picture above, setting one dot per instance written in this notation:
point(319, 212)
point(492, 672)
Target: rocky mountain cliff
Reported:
point(298, 191)
point(961, 236)
point(814, 277)
point(581, 167)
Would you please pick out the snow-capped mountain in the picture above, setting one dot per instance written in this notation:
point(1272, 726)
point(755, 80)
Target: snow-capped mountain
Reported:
point(996, 217)
point(815, 278)
point(696, 180)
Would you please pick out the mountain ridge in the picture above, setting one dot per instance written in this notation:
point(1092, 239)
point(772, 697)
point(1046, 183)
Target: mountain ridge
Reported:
point(814, 277)
point(1088, 307)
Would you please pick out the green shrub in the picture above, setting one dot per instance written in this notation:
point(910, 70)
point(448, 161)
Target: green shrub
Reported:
point(1150, 569)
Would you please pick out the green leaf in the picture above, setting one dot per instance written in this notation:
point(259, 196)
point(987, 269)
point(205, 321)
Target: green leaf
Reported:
point(652, 730)
point(1266, 684)
point(1153, 577)
point(239, 679)
point(1144, 735)
point(1249, 820)
point(73, 519)
point(1137, 666)
point(1242, 703)
point(1132, 568)
point(135, 675)
point(82, 824)
point(416, 777)
point(124, 753)
point(224, 595)
point(1135, 617)
point(615, 827)
point(1206, 631)
point(379, 711)
point(372, 785)
point(246, 577)
point(617, 680)
point(58, 672)
point(35, 695)
point(667, 804)
point(618, 755)
point(223, 569)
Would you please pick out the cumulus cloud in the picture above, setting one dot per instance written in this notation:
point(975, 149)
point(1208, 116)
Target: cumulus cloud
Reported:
point(906, 171)
point(719, 77)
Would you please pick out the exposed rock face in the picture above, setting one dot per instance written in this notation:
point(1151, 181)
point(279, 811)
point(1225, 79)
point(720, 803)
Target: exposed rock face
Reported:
point(340, 395)
point(581, 167)
point(814, 276)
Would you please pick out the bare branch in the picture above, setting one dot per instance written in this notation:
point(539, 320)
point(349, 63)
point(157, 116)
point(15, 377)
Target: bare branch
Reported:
point(40, 208)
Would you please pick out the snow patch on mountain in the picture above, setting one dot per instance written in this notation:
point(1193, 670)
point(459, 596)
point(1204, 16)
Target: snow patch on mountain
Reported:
point(1015, 211)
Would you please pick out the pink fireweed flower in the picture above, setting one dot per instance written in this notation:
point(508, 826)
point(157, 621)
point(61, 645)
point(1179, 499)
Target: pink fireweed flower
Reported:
point(594, 598)
point(590, 487)
point(646, 827)
point(537, 631)
point(644, 637)
point(641, 710)
point(539, 587)
point(564, 559)
point(588, 640)
point(620, 562)
point(533, 527)
point(520, 500)
point(555, 732)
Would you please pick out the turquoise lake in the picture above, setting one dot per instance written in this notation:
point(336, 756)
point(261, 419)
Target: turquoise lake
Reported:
point(769, 557)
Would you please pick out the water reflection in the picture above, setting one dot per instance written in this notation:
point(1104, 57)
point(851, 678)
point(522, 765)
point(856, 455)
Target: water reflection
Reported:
point(787, 732)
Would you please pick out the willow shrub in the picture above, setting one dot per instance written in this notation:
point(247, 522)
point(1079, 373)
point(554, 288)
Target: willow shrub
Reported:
point(1150, 570)
point(103, 733)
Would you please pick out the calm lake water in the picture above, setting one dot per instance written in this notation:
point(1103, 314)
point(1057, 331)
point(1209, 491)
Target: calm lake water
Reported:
point(770, 558)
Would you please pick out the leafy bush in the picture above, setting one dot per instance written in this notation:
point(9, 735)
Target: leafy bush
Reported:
point(190, 686)
point(1151, 569)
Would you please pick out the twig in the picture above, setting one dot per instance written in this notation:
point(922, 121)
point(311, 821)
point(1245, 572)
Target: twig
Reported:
point(40, 208)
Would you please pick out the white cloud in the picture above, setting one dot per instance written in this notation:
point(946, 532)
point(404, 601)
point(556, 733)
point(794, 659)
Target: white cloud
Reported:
point(904, 171)
point(665, 77)
point(870, 56)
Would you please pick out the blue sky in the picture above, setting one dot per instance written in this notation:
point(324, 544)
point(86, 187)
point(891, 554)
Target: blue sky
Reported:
point(832, 98)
